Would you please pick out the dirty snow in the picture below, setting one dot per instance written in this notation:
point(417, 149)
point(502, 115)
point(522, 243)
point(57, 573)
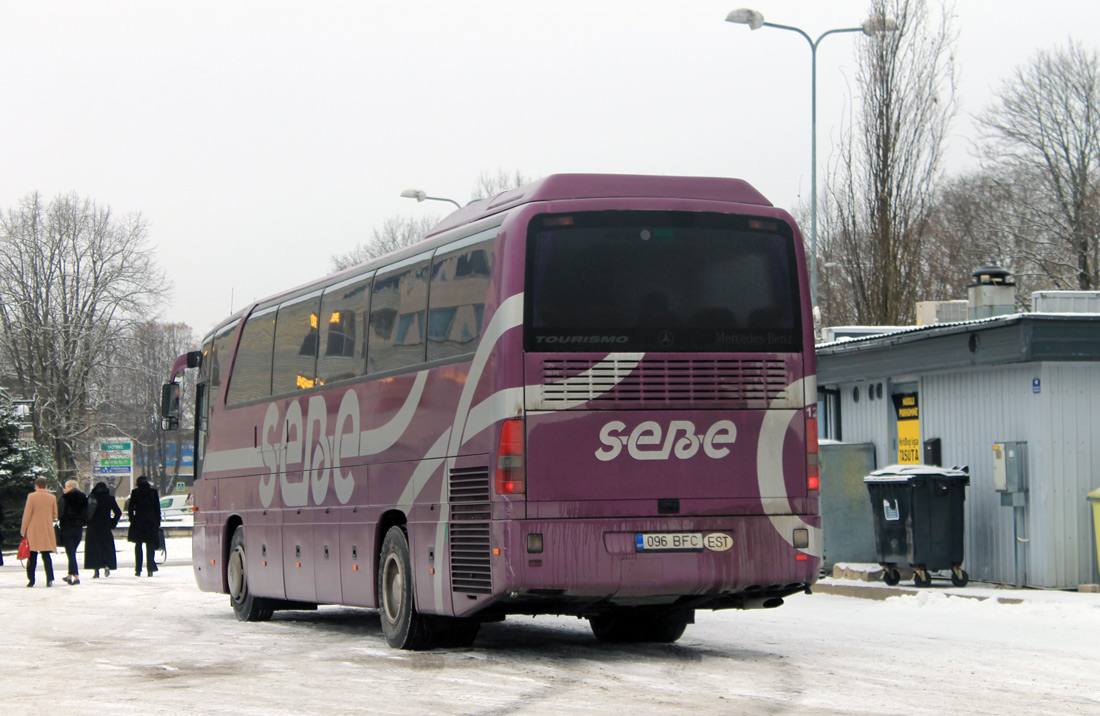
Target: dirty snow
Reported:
point(159, 646)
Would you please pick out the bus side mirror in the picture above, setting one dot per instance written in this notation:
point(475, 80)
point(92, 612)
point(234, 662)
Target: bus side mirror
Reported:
point(170, 406)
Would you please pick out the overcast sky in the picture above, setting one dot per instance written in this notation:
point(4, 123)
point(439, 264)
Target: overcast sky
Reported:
point(260, 138)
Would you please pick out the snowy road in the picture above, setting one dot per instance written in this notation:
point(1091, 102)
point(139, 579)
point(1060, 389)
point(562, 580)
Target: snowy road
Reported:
point(159, 646)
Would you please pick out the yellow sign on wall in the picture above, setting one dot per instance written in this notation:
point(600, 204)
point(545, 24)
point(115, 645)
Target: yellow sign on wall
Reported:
point(907, 410)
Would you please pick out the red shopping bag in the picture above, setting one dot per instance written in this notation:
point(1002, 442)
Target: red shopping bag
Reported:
point(24, 550)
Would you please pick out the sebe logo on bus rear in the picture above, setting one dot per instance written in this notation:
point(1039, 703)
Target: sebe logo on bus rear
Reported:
point(649, 440)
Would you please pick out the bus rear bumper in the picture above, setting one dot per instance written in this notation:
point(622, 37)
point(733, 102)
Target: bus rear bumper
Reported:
point(704, 562)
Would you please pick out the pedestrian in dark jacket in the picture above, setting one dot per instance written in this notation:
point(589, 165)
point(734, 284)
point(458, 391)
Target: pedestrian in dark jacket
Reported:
point(144, 511)
point(99, 542)
point(74, 511)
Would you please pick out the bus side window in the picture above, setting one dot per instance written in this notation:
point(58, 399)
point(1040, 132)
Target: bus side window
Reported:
point(460, 283)
point(294, 366)
point(208, 372)
point(343, 339)
point(251, 377)
point(399, 302)
point(214, 367)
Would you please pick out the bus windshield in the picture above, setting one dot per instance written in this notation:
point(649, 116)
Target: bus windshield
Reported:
point(661, 281)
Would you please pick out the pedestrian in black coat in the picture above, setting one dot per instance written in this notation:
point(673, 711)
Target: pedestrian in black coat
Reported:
point(144, 511)
point(74, 513)
point(99, 541)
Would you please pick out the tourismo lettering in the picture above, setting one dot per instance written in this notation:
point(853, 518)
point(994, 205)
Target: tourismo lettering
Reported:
point(581, 339)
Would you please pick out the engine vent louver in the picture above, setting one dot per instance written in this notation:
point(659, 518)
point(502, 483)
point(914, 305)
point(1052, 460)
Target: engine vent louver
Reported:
point(471, 571)
point(689, 382)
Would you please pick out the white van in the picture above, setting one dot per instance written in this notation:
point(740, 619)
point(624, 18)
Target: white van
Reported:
point(174, 508)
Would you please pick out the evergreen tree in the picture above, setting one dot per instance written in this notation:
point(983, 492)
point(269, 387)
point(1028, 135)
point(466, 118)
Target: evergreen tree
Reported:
point(20, 462)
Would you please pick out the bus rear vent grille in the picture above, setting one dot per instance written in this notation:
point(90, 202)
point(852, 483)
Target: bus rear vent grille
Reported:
point(471, 571)
point(687, 381)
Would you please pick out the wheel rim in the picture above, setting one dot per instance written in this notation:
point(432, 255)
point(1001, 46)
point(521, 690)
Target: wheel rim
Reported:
point(393, 588)
point(235, 572)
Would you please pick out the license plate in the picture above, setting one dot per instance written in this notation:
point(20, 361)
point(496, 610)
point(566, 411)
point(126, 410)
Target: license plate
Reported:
point(657, 541)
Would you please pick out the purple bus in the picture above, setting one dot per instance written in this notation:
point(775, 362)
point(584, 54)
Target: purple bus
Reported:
point(593, 395)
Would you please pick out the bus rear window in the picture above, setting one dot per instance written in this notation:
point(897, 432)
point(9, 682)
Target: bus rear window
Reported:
point(661, 281)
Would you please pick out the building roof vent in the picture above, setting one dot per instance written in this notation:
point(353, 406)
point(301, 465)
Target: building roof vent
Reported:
point(931, 312)
point(1065, 302)
point(993, 293)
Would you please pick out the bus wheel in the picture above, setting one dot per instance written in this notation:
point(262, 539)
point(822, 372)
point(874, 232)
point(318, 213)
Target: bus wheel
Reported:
point(402, 625)
point(247, 607)
point(636, 626)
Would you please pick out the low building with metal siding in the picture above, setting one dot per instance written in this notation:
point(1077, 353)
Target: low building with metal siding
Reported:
point(1025, 378)
point(866, 419)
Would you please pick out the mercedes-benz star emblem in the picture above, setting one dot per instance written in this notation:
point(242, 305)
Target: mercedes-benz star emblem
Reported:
point(665, 339)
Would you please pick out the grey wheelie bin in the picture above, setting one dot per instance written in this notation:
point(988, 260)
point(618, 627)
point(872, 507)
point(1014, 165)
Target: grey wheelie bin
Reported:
point(919, 520)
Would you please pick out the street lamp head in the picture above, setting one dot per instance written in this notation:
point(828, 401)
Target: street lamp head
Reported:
point(744, 16)
point(878, 24)
point(421, 195)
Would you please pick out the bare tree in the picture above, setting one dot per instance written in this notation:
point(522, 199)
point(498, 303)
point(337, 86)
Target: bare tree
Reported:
point(488, 184)
point(890, 161)
point(399, 231)
point(73, 278)
point(132, 406)
point(1044, 129)
point(396, 233)
point(988, 217)
point(966, 229)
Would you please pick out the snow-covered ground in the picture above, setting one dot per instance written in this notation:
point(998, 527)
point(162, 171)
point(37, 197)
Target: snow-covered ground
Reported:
point(159, 646)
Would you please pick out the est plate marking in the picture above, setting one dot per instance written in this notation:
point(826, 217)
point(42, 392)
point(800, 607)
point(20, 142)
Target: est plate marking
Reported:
point(682, 541)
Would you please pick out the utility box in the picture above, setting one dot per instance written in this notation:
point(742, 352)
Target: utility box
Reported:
point(1010, 472)
point(847, 526)
point(933, 453)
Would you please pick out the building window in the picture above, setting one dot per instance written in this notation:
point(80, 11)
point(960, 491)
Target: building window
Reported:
point(828, 414)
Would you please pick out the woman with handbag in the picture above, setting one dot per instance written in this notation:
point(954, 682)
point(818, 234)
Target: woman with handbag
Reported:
point(38, 518)
point(99, 541)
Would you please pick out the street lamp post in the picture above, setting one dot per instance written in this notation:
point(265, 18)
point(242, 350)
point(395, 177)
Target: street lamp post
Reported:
point(419, 195)
point(870, 27)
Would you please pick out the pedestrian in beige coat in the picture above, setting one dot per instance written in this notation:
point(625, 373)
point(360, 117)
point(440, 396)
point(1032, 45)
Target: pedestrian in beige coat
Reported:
point(38, 518)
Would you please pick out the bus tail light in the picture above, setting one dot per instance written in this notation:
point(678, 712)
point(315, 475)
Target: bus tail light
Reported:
point(511, 474)
point(813, 477)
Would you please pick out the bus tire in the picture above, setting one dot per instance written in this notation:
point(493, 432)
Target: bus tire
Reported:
point(402, 625)
point(633, 626)
point(247, 606)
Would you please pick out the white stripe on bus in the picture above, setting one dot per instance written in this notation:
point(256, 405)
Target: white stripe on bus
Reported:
point(769, 468)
